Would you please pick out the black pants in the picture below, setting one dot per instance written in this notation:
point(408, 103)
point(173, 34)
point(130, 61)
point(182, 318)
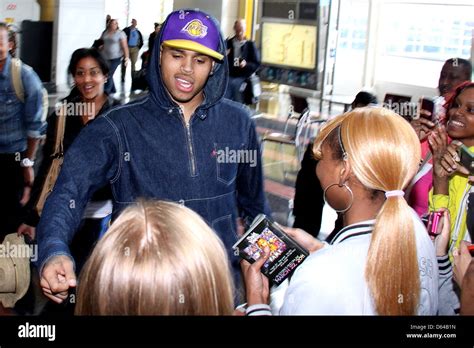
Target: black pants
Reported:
point(11, 190)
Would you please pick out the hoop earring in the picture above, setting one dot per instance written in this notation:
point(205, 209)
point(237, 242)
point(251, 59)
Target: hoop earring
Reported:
point(348, 189)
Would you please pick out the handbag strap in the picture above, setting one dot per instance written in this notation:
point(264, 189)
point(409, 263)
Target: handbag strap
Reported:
point(60, 127)
point(16, 79)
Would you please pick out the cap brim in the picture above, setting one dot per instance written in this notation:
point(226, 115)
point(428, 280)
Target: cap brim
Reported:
point(193, 46)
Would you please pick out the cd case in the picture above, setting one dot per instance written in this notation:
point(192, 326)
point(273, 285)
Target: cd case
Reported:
point(285, 253)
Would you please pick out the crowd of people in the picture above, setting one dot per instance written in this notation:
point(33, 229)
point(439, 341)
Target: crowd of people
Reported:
point(144, 212)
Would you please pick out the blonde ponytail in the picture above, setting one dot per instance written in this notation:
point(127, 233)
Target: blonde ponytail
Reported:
point(392, 271)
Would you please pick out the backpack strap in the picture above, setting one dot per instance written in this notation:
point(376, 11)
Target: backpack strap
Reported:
point(16, 79)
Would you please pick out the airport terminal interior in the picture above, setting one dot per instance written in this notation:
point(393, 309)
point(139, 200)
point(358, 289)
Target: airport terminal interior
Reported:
point(349, 46)
point(315, 56)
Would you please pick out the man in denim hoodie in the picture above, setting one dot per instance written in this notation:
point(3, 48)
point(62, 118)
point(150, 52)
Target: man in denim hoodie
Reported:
point(21, 125)
point(183, 142)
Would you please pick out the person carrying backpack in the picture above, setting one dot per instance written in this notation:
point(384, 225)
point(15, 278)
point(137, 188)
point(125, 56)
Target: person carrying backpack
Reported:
point(22, 121)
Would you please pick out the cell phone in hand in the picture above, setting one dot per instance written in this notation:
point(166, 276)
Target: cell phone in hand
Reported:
point(432, 222)
point(466, 158)
point(428, 104)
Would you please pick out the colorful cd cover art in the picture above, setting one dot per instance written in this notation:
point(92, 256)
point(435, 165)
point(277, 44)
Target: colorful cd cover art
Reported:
point(285, 254)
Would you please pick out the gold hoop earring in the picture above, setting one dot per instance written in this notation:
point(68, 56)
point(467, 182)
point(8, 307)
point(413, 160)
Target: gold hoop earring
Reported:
point(348, 189)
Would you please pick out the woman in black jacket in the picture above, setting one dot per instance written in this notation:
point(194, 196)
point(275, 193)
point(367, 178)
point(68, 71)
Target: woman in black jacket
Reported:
point(86, 101)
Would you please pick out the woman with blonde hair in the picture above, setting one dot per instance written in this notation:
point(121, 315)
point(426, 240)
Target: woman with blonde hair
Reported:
point(383, 261)
point(158, 258)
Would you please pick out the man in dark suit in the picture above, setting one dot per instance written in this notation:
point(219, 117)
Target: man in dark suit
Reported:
point(244, 60)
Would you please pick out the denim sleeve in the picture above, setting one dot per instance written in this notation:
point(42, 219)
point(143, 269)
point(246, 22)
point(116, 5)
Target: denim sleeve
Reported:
point(33, 88)
point(92, 161)
point(250, 190)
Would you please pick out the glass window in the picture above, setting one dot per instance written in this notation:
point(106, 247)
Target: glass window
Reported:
point(414, 40)
point(426, 31)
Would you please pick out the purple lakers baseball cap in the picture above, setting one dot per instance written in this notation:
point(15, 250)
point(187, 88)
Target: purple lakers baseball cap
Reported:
point(192, 30)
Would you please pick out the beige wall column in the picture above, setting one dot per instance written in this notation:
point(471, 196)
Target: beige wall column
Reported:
point(47, 8)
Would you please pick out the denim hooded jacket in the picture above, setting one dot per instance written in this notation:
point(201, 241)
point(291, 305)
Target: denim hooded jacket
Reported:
point(19, 120)
point(145, 150)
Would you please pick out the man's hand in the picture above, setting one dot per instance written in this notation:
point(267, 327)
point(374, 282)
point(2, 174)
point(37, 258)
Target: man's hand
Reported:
point(243, 63)
point(256, 284)
point(57, 277)
point(27, 230)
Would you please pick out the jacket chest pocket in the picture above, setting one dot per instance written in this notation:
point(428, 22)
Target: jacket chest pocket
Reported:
point(12, 122)
point(228, 156)
point(11, 101)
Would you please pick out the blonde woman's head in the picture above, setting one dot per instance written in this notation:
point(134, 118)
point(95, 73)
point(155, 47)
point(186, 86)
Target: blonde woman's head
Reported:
point(158, 258)
point(382, 148)
point(383, 152)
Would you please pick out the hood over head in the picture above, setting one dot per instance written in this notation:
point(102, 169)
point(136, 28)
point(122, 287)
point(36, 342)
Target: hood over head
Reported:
point(195, 31)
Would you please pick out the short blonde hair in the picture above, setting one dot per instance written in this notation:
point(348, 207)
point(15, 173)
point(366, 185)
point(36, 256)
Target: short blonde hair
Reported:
point(158, 258)
point(384, 153)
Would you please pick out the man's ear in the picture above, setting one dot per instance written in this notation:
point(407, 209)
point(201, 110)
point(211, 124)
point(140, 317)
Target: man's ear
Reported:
point(161, 53)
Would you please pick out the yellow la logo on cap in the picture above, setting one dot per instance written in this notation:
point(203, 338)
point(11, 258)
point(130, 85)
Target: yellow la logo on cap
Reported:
point(195, 28)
